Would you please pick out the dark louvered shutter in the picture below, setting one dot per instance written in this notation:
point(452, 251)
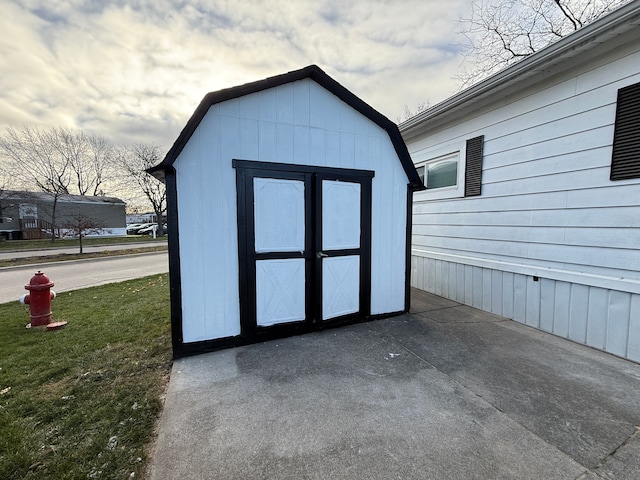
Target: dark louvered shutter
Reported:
point(625, 161)
point(473, 170)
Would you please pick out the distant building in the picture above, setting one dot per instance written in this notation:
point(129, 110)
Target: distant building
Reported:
point(29, 215)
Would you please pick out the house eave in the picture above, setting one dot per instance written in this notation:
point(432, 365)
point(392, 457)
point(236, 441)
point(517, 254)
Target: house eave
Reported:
point(551, 60)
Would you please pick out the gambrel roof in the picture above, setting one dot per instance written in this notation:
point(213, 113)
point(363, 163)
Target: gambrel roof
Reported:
point(312, 72)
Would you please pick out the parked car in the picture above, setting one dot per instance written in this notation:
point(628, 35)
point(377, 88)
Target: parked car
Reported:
point(149, 230)
point(133, 227)
point(136, 227)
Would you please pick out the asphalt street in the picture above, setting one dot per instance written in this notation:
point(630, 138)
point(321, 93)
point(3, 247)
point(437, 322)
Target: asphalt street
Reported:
point(76, 274)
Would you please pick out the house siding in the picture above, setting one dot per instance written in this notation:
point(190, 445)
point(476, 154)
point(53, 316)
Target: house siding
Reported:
point(297, 123)
point(547, 210)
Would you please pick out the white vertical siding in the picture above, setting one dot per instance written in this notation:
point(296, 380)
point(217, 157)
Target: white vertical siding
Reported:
point(633, 351)
point(547, 209)
point(298, 123)
point(207, 250)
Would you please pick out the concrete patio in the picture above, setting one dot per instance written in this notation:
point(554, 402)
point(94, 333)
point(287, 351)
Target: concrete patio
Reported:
point(445, 392)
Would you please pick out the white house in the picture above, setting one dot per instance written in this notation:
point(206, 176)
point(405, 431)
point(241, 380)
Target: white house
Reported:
point(532, 206)
point(289, 204)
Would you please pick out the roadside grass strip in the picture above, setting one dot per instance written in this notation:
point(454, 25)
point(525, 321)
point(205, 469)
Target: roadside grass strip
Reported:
point(82, 402)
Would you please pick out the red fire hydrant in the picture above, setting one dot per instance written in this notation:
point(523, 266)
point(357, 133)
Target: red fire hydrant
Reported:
point(39, 301)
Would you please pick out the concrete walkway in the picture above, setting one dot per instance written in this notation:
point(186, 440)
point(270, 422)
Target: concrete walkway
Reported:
point(447, 392)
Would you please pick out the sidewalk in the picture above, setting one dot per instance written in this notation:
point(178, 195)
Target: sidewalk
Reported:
point(446, 392)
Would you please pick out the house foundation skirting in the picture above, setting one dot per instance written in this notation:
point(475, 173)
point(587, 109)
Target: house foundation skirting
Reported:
point(596, 311)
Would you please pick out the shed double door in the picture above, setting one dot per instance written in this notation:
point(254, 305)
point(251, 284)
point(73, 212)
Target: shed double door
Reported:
point(305, 242)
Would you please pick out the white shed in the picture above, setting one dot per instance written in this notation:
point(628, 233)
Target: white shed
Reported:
point(289, 204)
point(532, 206)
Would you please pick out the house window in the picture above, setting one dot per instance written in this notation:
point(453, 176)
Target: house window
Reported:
point(451, 171)
point(625, 159)
point(440, 172)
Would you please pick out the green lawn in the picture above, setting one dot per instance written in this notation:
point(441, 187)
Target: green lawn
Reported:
point(82, 402)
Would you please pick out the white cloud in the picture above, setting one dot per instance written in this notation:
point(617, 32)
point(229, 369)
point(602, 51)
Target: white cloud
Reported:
point(135, 71)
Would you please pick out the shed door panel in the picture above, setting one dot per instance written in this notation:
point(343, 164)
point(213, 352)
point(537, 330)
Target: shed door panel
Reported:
point(280, 295)
point(279, 215)
point(340, 286)
point(340, 215)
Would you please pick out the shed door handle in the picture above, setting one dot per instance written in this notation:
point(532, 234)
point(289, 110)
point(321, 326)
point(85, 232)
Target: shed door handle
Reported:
point(321, 255)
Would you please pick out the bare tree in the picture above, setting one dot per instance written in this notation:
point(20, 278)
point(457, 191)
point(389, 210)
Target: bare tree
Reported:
point(407, 113)
point(80, 225)
point(501, 32)
point(58, 161)
point(90, 159)
point(34, 162)
point(97, 164)
point(134, 162)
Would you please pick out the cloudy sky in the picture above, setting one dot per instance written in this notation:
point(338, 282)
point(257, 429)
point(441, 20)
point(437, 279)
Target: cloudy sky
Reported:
point(134, 70)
